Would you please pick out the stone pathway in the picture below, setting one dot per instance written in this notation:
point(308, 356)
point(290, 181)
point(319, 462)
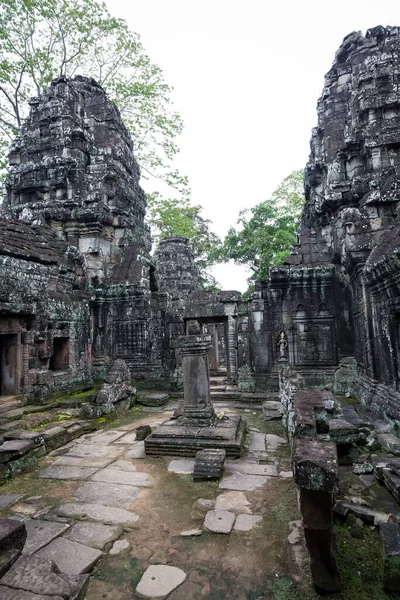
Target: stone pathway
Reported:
point(104, 503)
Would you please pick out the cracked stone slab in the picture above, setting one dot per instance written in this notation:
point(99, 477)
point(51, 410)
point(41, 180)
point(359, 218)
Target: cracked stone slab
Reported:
point(246, 522)
point(40, 533)
point(73, 461)
point(242, 482)
point(257, 442)
point(7, 500)
point(235, 502)
point(129, 438)
point(159, 580)
point(36, 575)
point(137, 451)
point(66, 472)
point(95, 535)
point(7, 593)
point(99, 451)
point(70, 557)
point(183, 466)
point(106, 437)
point(116, 475)
point(108, 494)
point(219, 521)
point(99, 513)
point(249, 468)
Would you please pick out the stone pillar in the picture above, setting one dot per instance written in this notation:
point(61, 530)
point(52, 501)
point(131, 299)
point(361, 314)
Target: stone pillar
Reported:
point(196, 380)
point(232, 350)
point(214, 350)
point(316, 474)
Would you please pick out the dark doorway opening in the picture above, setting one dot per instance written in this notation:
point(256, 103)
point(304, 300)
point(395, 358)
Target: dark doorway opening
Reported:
point(9, 364)
point(60, 359)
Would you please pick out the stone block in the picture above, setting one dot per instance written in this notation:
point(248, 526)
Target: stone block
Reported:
point(315, 464)
point(159, 580)
point(38, 576)
point(70, 557)
point(108, 494)
point(219, 521)
point(95, 535)
point(209, 465)
point(156, 399)
point(12, 534)
point(97, 512)
point(40, 533)
point(13, 449)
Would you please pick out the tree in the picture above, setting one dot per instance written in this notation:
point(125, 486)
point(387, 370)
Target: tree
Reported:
point(43, 39)
point(266, 231)
point(174, 217)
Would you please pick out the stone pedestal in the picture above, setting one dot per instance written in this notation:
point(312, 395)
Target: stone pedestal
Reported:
point(197, 428)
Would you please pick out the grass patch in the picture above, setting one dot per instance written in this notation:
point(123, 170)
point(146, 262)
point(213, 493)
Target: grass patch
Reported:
point(359, 563)
point(286, 510)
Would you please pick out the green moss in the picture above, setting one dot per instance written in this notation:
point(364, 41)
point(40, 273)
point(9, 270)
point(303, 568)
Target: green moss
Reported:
point(360, 567)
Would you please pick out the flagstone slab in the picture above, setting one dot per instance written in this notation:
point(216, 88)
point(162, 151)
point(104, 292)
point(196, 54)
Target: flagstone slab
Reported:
point(123, 465)
point(246, 522)
point(119, 546)
point(36, 575)
point(66, 472)
point(95, 535)
point(242, 482)
point(129, 438)
point(116, 475)
point(249, 468)
point(235, 502)
point(257, 442)
point(274, 441)
point(97, 512)
point(7, 500)
point(107, 494)
point(91, 450)
point(40, 533)
point(74, 461)
point(219, 521)
point(106, 437)
point(159, 580)
point(183, 466)
point(70, 557)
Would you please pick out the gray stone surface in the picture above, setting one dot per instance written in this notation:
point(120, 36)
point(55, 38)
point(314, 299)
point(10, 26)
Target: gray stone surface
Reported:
point(113, 474)
point(129, 438)
point(40, 533)
point(70, 557)
point(98, 513)
point(7, 500)
point(119, 546)
point(246, 522)
point(159, 580)
point(95, 535)
point(249, 468)
point(74, 461)
point(274, 441)
point(219, 521)
point(66, 472)
point(240, 481)
point(137, 451)
point(37, 575)
point(181, 465)
point(235, 502)
point(91, 450)
point(7, 593)
point(106, 437)
point(108, 494)
point(257, 442)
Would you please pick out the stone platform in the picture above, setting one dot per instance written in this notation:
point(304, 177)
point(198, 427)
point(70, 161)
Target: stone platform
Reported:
point(175, 438)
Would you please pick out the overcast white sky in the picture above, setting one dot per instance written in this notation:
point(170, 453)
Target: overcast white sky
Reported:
point(246, 78)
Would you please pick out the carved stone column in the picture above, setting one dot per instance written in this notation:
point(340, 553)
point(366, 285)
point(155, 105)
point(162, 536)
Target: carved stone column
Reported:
point(232, 350)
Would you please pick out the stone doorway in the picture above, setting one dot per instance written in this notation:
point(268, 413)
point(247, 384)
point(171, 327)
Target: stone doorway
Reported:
point(10, 364)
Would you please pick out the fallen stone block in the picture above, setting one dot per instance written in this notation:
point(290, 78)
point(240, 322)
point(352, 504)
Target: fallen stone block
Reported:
point(159, 580)
point(389, 442)
point(209, 465)
point(38, 576)
point(219, 521)
point(70, 557)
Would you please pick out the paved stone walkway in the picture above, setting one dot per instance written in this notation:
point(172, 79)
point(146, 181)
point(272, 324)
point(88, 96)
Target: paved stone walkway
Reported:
point(106, 494)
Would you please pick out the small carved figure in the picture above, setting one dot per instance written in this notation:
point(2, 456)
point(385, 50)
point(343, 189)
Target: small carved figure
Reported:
point(283, 346)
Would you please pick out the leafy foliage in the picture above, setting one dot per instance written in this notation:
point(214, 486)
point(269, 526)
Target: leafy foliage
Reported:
point(174, 217)
point(266, 231)
point(43, 39)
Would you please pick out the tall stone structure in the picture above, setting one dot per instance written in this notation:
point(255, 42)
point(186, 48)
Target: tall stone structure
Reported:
point(337, 298)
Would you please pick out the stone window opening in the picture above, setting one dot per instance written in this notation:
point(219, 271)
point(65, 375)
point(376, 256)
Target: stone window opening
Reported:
point(60, 358)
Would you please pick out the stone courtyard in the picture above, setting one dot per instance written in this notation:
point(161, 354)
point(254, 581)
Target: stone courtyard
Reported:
point(99, 501)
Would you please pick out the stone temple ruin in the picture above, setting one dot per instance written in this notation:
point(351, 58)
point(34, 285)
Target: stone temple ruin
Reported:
point(83, 299)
